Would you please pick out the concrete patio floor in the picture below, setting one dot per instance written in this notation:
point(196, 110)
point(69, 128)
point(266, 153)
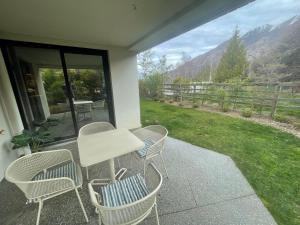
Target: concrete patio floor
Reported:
point(204, 187)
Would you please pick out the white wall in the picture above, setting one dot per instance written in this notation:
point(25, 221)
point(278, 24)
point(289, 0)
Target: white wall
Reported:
point(124, 75)
point(10, 120)
point(123, 66)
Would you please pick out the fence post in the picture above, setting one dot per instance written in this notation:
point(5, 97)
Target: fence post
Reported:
point(180, 92)
point(275, 101)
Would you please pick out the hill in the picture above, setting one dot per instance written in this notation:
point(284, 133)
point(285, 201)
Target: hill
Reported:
point(273, 53)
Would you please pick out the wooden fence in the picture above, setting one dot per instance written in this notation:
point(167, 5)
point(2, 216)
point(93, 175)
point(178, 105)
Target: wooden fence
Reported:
point(261, 96)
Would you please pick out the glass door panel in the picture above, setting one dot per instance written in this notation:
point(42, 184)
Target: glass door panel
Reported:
point(88, 87)
point(42, 90)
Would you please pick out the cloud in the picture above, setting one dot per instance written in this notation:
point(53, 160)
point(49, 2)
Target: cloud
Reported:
point(210, 35)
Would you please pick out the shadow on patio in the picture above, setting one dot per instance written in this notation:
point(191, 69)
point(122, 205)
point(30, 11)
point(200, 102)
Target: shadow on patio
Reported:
point(204, 187)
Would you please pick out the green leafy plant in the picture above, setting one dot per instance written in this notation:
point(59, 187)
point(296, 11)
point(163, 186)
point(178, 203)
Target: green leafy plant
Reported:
point(20, 140)
point(225, 108)
point(221, 97)
point(33, 138)
point(247, 113)
point(281, 118)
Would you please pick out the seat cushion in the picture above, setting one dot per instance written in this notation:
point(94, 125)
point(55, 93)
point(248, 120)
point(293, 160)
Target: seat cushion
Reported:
point(124, 191)
point(68, 169)
point(142, 152)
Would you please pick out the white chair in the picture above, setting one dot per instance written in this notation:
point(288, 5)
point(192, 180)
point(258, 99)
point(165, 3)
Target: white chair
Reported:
point(83, 109)
point(98, 105)
point(154, 138)
point(127, 201)
point(93, 128)
point(45, 175)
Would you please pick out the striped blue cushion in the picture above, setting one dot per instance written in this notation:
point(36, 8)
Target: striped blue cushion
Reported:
point(124, 191)
point(142, 152)
point(68, 169)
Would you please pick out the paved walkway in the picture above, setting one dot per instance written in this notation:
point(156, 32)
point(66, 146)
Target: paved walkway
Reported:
point(204, 187)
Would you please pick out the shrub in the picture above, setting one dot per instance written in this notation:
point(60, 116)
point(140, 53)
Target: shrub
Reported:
point(281, 118)
point(221, 98)
point(195, 105)
point(297, 125)
point(161, 100)
point(181, 104)
point(247, 113)
point(171, 101)
point(225, 108)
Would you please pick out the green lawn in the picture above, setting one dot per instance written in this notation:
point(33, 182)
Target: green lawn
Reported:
point(269, 158)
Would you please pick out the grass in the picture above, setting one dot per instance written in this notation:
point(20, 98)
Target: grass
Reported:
point(268, 158)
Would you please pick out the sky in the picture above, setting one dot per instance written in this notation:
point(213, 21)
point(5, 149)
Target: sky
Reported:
point(213, 33)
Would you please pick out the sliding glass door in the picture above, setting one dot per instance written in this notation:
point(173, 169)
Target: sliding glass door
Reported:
point(59, 89)
point(88, 87)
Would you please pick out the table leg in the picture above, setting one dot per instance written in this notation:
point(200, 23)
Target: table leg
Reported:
point(112, 169)
point(115, 176)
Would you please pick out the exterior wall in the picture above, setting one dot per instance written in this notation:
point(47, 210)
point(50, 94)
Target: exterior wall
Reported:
point(10, 120)
point(124, 76)
point(123, 65)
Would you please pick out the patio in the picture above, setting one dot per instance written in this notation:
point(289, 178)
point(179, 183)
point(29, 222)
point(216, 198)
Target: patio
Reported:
point(204, 187)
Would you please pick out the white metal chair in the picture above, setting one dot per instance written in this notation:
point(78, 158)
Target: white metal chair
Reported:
point(98, 105)
point(127, 201)
point(45, 175)
point(83, 109)
point(93, 128)
point(154, 138)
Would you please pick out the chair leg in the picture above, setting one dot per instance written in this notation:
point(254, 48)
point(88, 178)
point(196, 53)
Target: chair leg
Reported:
point(87, 173)
point(145, 168)
point(163, 161)
point(81, 205)
point(39, 212)
point(99, 219)
point(156, 214)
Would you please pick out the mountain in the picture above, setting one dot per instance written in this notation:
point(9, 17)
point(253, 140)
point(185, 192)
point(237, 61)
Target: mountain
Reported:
point(270, 50)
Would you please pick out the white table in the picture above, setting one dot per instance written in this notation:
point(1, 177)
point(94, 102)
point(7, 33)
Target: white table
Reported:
point(79, 102)
point(107, 145)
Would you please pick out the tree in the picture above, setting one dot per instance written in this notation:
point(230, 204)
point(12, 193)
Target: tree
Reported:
point(146, 64)
point(233, 63)
point(154, 72)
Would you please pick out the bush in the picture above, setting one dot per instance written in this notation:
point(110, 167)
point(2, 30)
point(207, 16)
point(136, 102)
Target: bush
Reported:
point(247, 113)
point(221, 98)
point(161, 100)
point(281, 118)
point(225, 108)
point(181, 104)
point(195, 105)
point(297, 125)
point(171, 101)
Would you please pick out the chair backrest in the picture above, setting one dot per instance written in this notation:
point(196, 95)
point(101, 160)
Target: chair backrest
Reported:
point(95, 127)
point(154, 133)
point(136, 211)
point(99, 104)
point(22, 170)
point(83, 108)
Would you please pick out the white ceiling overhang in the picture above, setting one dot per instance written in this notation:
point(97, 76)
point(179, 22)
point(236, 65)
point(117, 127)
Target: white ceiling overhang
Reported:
point(133, 24)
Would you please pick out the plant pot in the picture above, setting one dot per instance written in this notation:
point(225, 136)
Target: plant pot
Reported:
point(23, 151)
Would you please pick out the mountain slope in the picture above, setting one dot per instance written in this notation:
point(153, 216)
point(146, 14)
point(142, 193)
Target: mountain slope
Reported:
point(268, 44)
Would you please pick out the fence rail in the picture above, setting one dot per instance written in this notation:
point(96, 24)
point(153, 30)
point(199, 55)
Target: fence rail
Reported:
point(267, 96)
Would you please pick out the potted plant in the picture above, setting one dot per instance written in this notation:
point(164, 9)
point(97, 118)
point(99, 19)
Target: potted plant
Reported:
point(29, 141)
point(21, 144)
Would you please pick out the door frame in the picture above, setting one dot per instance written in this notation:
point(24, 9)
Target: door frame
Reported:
point(5, 44)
